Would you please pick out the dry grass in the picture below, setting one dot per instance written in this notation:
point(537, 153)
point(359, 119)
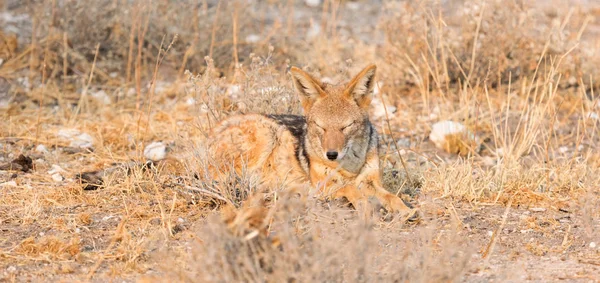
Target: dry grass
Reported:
point(522, 76)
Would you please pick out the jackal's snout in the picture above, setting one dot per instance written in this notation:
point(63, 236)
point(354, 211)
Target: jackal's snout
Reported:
point(332, 155)
point(333, 143)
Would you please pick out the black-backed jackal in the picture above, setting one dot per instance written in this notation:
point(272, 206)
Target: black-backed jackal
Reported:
point(334, 147)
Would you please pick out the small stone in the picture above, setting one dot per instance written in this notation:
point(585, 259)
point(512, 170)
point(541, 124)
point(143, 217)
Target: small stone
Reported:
point(57, 177)
point(76, 138)
point(312, 3)
point(56, 169)
point(454, 137)
point(8, 184)
point(102, 97)
point(538, 209)
point(379, 109)
point(155, 151)
point(190, 101)
point(40, 148)
point(253, 38)
point(592, 245)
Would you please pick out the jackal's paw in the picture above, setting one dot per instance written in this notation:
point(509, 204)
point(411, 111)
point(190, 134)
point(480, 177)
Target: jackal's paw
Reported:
point(396, 205)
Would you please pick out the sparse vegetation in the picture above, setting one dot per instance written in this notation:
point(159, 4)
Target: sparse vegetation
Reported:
point(86, 86)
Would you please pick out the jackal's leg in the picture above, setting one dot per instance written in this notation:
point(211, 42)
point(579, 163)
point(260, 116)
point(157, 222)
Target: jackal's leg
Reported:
point(352, 194)
point(370, 186)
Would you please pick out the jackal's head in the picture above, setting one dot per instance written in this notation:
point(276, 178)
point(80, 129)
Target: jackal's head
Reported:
point(337, 116)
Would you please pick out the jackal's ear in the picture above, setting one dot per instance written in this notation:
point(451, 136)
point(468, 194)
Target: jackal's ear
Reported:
point(361, 86)
point(308, 88)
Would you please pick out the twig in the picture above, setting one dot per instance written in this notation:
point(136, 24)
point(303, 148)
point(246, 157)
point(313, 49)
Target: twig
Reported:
point(87, 85)
point(112, 243)
point(214, 30)
point(207, 192)
point(387, 120)
point(490, 247)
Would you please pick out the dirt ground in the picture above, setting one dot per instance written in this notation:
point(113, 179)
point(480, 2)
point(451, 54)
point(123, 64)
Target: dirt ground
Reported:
point(105, 107)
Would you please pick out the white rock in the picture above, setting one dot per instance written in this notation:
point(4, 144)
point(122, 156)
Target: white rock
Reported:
point(204, 109)
point(57, 177)
point(500, 151)
point(102, 97)
point(379, 109)
point(190, 101)
point(593, 245)
point(353, 5)
point(131, 91)
point(312, 3)
point(253, 38)
point(24, 81)
point(440, 132)
point(155, 151)
point(314, 30)
point(40, 148)
point(538, 209)
point(161, 87)
point(56, 169)
point(8, 184)
point(563, 149)
point(592, 115)
point(441, 129)
point(76, 138)
point(83, 141)
point(233, 90)
point(68, 133)
point(56, 173)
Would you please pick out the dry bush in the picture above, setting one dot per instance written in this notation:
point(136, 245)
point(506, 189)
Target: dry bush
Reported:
point(433, 46)
point(307, 242)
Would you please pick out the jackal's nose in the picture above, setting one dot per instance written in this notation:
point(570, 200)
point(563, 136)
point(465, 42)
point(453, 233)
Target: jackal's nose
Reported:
point(332, 155)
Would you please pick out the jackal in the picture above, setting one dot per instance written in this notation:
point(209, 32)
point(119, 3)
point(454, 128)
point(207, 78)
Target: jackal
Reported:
point(334, 147)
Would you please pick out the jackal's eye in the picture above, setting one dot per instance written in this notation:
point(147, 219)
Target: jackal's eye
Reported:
point(348, 126)
point(317, 125)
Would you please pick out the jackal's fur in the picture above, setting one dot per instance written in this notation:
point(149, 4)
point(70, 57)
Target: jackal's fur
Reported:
point(334, 147)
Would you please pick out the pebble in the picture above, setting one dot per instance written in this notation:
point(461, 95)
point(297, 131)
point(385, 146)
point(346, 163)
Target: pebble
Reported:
point(8, 184)
point(40, 148)
point(312, 3)
point(57, 177)
point(453, 137)
point(379, 110)
point(538, 209)
point(76, 138)
point(155, 151)
point(102, 97)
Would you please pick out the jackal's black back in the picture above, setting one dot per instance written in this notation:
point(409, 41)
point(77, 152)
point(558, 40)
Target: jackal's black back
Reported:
point(296, 124)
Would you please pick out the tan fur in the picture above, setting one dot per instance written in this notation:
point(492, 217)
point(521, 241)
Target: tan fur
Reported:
point(336, 121)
